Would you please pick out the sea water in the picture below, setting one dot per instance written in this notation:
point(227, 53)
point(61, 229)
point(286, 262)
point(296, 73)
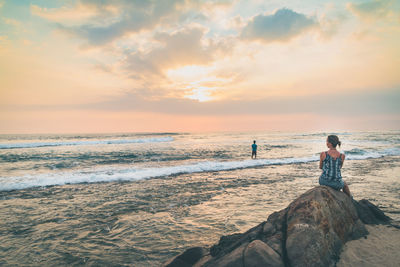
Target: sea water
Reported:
point(139, 199)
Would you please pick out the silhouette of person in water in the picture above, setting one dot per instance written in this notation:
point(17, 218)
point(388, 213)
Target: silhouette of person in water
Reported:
point(254, 150)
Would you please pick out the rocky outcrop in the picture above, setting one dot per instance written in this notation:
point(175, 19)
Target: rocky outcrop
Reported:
point(318, 224)
point(369, 213)
point(189, 257)
point(311, 231)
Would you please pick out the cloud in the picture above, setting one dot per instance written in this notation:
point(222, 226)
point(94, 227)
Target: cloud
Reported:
point(182, 48)
point(283, 25)
point(101, 22)
point(178, 49)
point(144, 38)
point(370, 102)
point(100, 35)
point(12, 22)
point(371, 10)
point(4, 44)
point(15, 27)
point(66, 15)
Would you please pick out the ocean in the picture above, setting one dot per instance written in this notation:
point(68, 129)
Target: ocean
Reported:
point(140, 199)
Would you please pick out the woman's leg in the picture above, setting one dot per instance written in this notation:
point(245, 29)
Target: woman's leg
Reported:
point(346, 189)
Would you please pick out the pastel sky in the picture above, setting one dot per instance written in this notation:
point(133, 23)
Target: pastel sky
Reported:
point(179, 65)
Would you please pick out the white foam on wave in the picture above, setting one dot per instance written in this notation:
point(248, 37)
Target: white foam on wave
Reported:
point(363, 154)
point(132, 173)
point(84, 143)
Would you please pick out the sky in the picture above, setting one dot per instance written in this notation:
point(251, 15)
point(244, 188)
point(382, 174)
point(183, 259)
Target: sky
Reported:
point(86, 66)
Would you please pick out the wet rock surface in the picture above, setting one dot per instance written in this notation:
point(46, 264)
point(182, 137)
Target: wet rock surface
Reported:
point(311, 231)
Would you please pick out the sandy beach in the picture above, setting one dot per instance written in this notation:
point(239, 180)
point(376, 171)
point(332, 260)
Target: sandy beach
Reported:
point(380, 248)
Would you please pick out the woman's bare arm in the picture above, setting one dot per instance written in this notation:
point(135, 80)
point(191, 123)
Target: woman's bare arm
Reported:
point(321, 159)
point(342, 156)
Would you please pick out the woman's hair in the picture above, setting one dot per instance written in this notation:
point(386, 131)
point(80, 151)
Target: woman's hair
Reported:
point(334, 140)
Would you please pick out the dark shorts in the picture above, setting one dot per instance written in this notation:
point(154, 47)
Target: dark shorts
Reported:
point(335, 184)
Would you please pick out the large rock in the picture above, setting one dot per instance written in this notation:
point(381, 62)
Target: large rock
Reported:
point(188, 258)
point(369, 213)
point(318, 224)
point(311, 231)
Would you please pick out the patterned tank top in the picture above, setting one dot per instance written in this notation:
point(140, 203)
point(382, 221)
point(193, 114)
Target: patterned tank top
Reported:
point(331, 168)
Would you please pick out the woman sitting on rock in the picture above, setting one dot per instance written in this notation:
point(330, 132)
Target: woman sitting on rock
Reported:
point(331, 162)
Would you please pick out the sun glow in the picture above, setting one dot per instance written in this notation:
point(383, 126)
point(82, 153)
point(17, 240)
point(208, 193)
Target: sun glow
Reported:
point(189, 73)
point(201, 94)
point(191, 78)
point(198, 82)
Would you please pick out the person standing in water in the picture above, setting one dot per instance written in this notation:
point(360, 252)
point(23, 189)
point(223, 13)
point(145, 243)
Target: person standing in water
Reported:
point(254, 150)
point(331, 163)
